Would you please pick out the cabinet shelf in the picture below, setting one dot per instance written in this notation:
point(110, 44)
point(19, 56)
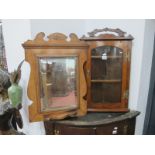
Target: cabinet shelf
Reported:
point(106, 81)
point(108, 57)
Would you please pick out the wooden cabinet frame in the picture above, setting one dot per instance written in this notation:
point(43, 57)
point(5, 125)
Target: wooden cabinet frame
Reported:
point(57, 45)
point(120, 41)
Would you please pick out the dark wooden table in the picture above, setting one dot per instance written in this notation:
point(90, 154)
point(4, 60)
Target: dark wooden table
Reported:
point(95, 124)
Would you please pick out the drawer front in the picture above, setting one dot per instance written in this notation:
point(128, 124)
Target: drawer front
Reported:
point(49, 127)
point(126, 127)
point(71, 130)
point(120, 128)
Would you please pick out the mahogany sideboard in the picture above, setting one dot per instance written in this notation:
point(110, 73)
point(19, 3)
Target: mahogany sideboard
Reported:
point(94, 124)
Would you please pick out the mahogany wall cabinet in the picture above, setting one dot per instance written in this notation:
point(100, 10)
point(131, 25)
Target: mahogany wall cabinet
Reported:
point(108, 70)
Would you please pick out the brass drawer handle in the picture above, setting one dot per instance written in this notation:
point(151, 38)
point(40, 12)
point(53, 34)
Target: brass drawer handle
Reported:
point(115, 131)
point(56, 132)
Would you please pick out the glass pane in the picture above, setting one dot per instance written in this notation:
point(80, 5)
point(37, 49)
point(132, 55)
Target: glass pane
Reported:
point(58, 83)
point(106, 92)
point(107, 63)
point(106, 75)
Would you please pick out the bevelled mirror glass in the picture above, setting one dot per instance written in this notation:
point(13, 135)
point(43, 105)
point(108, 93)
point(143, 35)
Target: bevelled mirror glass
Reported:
point(58, 83)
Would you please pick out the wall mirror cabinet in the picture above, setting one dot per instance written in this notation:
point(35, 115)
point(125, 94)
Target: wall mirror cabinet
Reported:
point(108, 69)
point(57, 85)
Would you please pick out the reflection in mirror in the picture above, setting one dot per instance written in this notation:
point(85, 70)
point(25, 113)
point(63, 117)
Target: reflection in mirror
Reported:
point(58, 83)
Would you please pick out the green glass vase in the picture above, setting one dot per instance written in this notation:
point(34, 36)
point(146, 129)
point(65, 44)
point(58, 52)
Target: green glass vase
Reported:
point(15, 94)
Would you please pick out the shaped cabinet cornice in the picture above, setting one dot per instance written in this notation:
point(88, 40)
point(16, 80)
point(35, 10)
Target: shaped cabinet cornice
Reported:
point(108, 69)
point(57, 85)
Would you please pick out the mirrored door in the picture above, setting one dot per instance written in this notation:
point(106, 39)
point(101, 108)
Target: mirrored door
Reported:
point(58, 83)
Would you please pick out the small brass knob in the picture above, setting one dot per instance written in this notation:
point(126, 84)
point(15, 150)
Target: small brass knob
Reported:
point(56, 132)
point(115, 131)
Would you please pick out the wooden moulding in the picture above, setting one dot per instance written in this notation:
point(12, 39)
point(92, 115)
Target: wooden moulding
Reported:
point(54, 40)
point(121, 35)
point(56, 45)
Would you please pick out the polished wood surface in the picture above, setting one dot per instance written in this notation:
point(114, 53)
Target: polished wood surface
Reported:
point(57, 45)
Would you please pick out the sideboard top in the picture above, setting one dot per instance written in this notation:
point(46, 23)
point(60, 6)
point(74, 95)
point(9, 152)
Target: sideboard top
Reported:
point(92, 119)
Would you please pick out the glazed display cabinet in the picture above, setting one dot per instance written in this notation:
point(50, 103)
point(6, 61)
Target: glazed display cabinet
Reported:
point(108, 70)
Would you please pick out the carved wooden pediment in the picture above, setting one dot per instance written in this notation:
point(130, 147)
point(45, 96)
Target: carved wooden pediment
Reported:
point(57, 36)
point(54, 38)
point(113, 35)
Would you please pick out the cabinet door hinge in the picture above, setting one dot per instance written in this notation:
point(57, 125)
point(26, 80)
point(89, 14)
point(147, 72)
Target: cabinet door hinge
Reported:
point(126, 95)
point(126, 56)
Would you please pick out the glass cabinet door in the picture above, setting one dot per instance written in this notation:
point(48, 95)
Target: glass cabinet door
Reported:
point(106, 74)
